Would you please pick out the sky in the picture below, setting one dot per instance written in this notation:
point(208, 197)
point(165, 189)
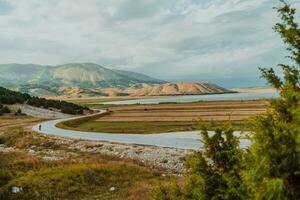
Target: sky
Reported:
point(220, 41)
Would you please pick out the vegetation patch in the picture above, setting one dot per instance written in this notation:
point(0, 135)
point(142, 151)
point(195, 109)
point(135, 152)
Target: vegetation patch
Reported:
point(4, 109)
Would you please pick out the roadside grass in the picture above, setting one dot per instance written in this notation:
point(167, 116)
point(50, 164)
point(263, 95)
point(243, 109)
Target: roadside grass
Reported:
point(76, 181)
point(143, 127)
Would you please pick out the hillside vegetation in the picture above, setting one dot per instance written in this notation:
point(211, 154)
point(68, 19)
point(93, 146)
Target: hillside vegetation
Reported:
point(12, 97)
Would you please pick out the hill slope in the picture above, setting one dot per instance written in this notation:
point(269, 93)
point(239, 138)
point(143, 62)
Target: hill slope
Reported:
point(49, 79)
point(183, 88)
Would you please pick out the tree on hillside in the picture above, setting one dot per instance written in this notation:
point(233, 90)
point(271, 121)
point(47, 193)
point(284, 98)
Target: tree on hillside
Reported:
point(274, 158)
point(4, 109)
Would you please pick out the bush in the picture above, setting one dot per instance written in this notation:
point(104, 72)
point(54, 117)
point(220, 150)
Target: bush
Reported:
point(4, 109)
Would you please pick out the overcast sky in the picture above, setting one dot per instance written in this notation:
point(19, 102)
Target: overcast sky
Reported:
point(222, 41)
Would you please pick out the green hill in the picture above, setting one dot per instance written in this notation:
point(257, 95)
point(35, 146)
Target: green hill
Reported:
point(49, 79)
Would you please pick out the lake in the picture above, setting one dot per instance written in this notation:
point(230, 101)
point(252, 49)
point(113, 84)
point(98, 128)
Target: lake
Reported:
point(194, 98)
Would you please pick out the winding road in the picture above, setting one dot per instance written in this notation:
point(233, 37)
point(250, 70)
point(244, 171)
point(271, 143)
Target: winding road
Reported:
point(180, 140)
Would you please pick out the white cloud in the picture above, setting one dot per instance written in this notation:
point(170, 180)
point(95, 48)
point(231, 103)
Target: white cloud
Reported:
point(153, 36)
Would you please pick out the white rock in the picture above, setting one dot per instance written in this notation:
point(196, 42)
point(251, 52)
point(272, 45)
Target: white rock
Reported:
point(16, 189)
point(51, 158)
point(112, 189)
point(7, 149)
point(31, 151)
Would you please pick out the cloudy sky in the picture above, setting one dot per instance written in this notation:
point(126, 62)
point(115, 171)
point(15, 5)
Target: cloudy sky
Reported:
point(222, 41)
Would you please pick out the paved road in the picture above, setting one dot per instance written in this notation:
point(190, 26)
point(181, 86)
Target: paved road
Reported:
point(181, 140)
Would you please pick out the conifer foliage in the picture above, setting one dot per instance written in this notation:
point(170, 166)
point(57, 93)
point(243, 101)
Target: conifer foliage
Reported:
point(270, 168)
point(274, 165)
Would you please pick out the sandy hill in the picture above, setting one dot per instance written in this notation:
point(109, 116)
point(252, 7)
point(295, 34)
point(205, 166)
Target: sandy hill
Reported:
point(183, 88)
point(167, 89)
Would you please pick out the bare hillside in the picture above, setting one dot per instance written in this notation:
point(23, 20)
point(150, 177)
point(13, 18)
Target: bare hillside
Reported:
point(182, 88)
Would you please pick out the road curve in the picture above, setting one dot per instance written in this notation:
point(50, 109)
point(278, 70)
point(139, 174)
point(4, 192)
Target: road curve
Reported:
point(180, 140)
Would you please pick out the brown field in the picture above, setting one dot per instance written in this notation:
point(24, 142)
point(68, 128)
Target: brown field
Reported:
point(170, 117)
point(207, 111)
point(11, 121)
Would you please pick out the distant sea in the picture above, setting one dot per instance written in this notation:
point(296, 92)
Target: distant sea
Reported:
point(195, 98)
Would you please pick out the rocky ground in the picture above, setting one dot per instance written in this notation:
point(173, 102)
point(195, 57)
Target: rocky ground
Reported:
point(165, 158)
point(39, 112)
point(170, 159)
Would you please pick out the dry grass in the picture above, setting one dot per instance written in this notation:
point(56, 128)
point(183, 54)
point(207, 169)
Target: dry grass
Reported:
point(80, 175)
point(11, 121)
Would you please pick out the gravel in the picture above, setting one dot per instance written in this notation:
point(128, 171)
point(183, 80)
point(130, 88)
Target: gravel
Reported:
point(165, 158)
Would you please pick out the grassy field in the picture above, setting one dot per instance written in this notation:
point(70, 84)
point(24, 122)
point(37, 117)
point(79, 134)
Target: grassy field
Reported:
point(78, 175)
point(144, 127)
point(170, 117)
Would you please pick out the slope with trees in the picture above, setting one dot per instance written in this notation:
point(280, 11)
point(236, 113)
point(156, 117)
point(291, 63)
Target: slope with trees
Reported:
point(10, 97)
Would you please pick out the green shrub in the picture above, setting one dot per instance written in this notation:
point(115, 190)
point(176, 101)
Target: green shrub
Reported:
point(4, 109)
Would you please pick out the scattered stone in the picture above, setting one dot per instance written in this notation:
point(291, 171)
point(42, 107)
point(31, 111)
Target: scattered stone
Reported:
point(165, 158)
point(5, 149)
point(51, 158)
point(31, 151)
point(16, 189)
point(112, 189)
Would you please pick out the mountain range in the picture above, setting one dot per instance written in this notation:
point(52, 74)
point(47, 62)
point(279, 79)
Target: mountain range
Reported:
point(89, 79)
point(54, 80)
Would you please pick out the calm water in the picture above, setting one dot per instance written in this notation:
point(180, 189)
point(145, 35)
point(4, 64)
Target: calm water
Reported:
point(193, 98)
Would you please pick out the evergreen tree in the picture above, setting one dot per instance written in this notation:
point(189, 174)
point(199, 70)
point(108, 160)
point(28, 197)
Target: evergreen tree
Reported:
point(271, 167)
point(274, 158)
point(214, 172)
